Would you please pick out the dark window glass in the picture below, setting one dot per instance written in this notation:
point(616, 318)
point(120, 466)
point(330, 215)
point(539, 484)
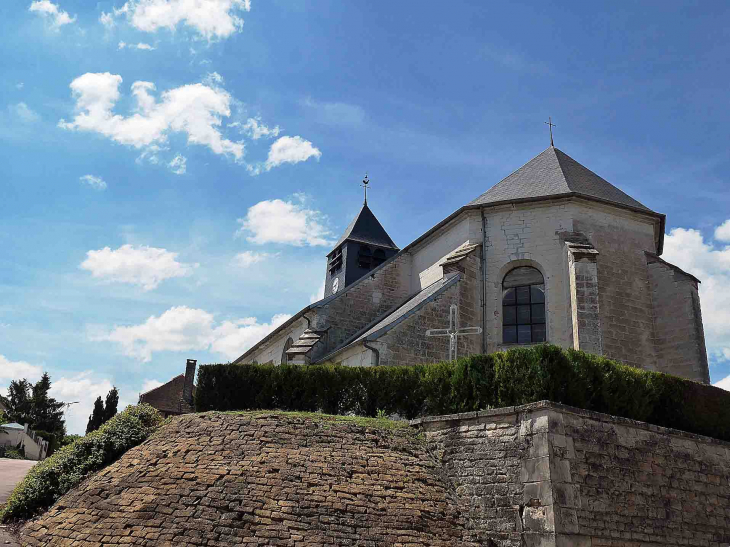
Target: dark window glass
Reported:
point(537, 294)
point(523, 307)
point(523, 315)
point(364, 257)
point(508, 296)
point(538, 313)
point(523, 295)
point(509, 317)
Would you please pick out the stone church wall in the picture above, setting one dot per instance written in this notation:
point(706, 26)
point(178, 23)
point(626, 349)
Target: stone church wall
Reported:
point(362, 303)
point(526, 235)
point(272, 351)
point(549, 475)
point(680, 340)
point(625, 302)
point(408, 344)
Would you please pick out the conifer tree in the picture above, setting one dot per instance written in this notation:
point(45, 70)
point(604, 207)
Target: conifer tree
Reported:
point(110, 407)
point(97, 416)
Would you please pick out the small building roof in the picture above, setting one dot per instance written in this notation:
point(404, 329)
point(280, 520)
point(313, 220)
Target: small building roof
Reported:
point(365, 228)
point(166, 397)
point(554, 173)
point(12, 426)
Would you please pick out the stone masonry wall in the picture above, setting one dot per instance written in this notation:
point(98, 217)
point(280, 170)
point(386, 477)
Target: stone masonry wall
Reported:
point(361, 303)
point(625, 302)
point(222, 480)
point(407, 343)
point(680, 339)
point(554, 476)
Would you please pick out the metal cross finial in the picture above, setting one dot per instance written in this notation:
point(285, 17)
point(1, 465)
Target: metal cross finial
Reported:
point(365, 183)
point(453, 332)
point(551, 124)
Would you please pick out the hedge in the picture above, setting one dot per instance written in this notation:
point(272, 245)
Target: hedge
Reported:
point(52, 478)
point(515, 377)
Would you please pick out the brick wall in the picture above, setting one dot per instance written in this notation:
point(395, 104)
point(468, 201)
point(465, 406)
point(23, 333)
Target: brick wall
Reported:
point(680, 339)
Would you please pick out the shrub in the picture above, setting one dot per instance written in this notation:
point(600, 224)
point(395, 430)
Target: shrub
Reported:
point(53, 477)
point(515, 377)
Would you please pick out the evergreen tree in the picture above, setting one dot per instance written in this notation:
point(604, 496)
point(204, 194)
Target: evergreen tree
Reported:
point(97, 416)
point(46, 412)
point(110, 407)
point(18, 401)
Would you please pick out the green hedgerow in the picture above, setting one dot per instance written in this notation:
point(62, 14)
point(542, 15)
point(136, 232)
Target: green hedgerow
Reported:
point(53, 477)
point(515, 377)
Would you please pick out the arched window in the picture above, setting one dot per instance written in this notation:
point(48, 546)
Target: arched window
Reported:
point(364, 257)
point(378, 257)
point(284, 357)
point(335, 261)
point(523, 306)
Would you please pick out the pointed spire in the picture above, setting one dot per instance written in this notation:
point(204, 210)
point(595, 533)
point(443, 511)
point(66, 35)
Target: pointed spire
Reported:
point(365, 183)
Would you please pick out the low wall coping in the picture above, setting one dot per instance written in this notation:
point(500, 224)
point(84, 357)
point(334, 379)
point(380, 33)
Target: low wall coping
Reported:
point(445, 419)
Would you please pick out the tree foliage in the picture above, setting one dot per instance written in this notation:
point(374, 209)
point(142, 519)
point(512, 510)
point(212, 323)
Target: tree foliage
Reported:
point(31, 404)
point(102, 413)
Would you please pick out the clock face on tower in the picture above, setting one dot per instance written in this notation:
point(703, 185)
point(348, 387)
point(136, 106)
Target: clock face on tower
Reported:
point(335, 285)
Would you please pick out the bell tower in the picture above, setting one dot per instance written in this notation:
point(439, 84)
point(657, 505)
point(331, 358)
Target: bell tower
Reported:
point(364, 246)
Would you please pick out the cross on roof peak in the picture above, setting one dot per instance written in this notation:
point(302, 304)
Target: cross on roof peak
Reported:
point(551, 125)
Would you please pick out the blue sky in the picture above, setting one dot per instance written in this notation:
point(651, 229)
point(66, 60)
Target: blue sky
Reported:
point(148, 149)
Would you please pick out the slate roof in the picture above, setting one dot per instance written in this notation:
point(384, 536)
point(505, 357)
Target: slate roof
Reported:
point(365, 228)
point(390, 320)
point(554, 173)
point(12, 426)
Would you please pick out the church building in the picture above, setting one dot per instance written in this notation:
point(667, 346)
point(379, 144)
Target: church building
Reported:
point(552, 253)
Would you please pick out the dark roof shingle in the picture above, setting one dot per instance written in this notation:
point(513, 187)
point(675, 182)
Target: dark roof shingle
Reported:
point(365, 228)
point(554, 173)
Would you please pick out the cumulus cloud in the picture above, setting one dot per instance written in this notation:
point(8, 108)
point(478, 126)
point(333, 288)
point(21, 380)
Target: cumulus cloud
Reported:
point(24, 113)
point(187, 329)
point(722, 232)
point(710, 262)
point(277, 221)
point(97, 183)
point(52, 12)
point(140, 45)
point(15, 370)
point(144, 266)
point(107, 19)
point(195, 110)
point(255, 129)
point(83, 390)
point(178, 165)
point(209, 19)
point(291, 150)
point(149, 385)
point(247, 259)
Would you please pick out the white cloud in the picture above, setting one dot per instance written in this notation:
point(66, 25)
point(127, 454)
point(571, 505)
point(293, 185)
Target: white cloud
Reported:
point(722, 232)
point(97, 183)
point(149, 384)
point(24, 113)
point(247, 259)
point(84, 389)
point(319, 295)
point(255, 129)
point(52, 12)
point(724, 383)
point(140, 45)
point(107, 19)
point(211, 19)
point(277, 221)
point(178, 165)
point(15, 370)
point(19, 85)
point(144, 266)
point(187, 329)
point(194, 109)
point(291, 150)
point(711, 265)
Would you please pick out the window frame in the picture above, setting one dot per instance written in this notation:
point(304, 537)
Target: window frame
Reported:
point(515, 303)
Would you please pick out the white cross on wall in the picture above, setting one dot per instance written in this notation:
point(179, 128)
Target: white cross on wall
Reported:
point(453, 332)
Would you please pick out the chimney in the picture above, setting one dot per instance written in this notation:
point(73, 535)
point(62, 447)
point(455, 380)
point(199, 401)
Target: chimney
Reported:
point(189, 379)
